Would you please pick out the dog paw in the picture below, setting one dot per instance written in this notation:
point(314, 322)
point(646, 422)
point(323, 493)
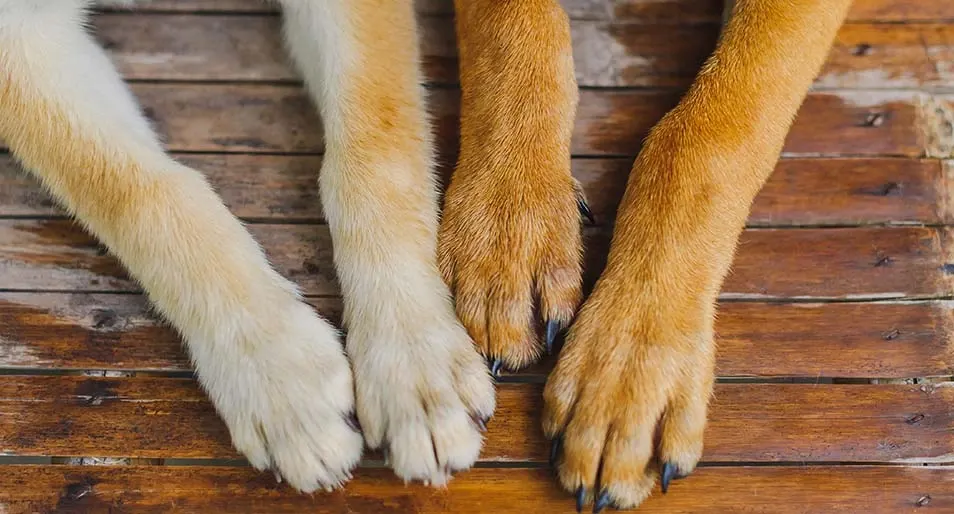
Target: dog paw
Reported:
point(424, 394)
point(282, 383)
point(511, 251)
point(630, 367)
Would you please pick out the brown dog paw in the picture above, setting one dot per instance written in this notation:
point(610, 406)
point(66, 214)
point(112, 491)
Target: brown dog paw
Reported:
point(510, 248)
point(626, 404)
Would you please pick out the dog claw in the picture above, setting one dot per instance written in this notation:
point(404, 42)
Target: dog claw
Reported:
point(580, 498)
point(495, 367)
point(481, 422)
point(585, 211)
point(555, 445)
point(352, 421)
point(553, 327)
point(669, 473)
point(602, 502)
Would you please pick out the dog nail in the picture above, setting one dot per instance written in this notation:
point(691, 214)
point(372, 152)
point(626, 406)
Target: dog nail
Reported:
point(580, 498)
point(495, 367)
point(585, 211)
point(553, 327)
point(602, 502)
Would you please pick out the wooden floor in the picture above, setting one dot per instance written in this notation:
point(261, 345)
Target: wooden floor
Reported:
point(836, 325)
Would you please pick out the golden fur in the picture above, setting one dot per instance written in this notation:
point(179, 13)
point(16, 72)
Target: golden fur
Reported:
point(640, 354)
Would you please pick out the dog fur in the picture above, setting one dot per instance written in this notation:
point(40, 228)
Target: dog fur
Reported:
point(276, 372)
point(627, 401)
point(640, 354)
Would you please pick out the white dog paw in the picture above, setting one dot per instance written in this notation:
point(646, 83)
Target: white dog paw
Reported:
point(284, 388)
point(424, 394)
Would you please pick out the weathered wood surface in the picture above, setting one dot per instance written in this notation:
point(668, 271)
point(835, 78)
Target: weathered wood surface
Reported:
point(844, 263)
point(871, 146)
point(250, 48)
point(267, 118)
point(868, 340)
point(281, 188)
point(648, 11)
point(719, 490)
point(171, 418)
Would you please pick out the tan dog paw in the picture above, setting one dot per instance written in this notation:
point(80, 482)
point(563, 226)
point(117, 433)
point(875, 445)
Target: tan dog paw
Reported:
point(510, 243)
point(511, 252)
point(626, 403)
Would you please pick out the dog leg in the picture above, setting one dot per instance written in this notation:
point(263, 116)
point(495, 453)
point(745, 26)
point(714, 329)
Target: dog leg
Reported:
point(510, 239)
point(275, 371)
point(642, 350)
point(423, 392)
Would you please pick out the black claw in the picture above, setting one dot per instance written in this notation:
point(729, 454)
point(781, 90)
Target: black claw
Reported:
point(352, 421)
point(495, 367)
point(585, 211)
point(553, 327)
point(602, 502)
point(555, 446)
point(580, 498)
point(669, 472)
point(480, 421)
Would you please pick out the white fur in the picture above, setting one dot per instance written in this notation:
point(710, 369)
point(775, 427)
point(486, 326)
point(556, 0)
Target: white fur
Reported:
point(419, 378)
point(275, 371)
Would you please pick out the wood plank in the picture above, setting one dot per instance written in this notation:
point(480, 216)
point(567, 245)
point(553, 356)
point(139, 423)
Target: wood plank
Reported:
point(649, 11)
point(280, 119)
point(170, 418)
point(816, 192)
point(854, 191)
point(871, 340)
point(891, 56)
point(849, 263)
point(96, 331)
point(719, 490)
point(258, 118)
point(842, 263)
point(689, 11)
point(257, 187)
point(249, 48)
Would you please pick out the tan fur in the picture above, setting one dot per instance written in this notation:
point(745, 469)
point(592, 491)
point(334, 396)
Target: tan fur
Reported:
point(510, 238)
point(422, 390)
point(641, 352)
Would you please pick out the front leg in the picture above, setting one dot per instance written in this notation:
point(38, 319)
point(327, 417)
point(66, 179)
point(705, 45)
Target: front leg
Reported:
point(510, 240)
point(275, 371)
point(641, 354)
point(423, 392)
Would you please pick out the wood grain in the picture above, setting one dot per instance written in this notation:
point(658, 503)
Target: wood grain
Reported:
point(741, 490)
point(170, 418)
point(881, 104)
point(260, 118)
point(249, 48)
point(801, 191)
point(648, 11)
point(279, 188)
point(870, 340)
point(837, 263)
